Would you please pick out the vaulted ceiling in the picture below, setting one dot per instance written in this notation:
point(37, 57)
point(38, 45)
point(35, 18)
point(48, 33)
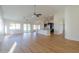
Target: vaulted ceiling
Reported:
point(18, 12)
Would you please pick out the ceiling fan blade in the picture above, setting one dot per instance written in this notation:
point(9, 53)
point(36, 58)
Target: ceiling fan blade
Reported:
point(34, 13)
point(38, 15)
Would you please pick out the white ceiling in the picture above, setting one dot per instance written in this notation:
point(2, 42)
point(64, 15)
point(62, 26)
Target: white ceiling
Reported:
point(18, 12)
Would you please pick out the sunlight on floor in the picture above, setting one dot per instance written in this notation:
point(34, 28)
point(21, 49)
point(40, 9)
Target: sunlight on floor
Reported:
point(13, 47)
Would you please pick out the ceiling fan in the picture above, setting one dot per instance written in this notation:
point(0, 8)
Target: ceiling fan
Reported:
point(36, 14)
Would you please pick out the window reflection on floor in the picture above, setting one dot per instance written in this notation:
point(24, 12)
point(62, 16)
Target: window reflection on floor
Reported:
point(13, 47)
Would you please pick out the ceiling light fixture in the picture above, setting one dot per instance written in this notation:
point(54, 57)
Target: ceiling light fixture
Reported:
point(36, 14)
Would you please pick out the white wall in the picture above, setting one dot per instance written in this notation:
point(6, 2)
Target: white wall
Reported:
point(1, 25)
point(58, 22)
point(1, 22)
point(72, 23)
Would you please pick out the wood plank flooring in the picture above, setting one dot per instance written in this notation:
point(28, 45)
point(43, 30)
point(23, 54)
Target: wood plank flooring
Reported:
point(37, 43)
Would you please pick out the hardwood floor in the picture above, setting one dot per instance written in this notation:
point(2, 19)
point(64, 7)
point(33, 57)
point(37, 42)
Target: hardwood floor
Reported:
point(37, 43)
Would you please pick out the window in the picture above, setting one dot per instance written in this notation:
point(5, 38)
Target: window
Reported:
point(27, 27)
point(38, 27)
point(5, 29)
point(17, 26)
point(34, 27)
point(14, 26)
